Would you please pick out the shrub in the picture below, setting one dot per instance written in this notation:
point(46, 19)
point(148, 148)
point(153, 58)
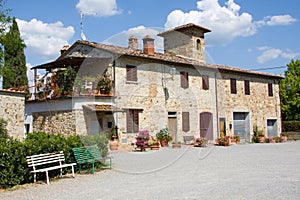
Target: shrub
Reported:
point(13, 165)
point(98, 139)
point(291, 126)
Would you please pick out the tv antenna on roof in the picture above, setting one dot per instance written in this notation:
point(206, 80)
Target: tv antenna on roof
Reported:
point(81, 26)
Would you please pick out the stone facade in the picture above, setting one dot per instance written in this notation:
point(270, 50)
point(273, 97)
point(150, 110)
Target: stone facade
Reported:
point(12, 106)
point(186, 95)
point(62, 122)
point(258, 104)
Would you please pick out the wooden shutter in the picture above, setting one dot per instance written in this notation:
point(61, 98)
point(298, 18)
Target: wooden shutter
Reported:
point(270, 89)
point(247, 87)
point(185, 121)
point(131, 73)
point(205, 83)
point(184, 79)
point(132, 121)
point(233, 86)
point(135, 121)
point(129, 121)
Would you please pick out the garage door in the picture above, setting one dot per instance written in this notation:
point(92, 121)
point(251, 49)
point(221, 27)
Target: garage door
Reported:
point(272, 127)
point(241, 125)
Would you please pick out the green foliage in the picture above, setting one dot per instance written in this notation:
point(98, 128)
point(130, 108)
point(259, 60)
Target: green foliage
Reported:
point(14, 69)
point(65, 80)
point(4, 20)
point(290, 92)
point(257, 134)
point(3, 131)
point(291, 126)
point(13, 165)
point(98, 139)
point(164, 134)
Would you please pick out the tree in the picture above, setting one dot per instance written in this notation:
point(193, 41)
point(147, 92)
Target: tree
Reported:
point(290, 92)
point(4, 20)
point(14, 70)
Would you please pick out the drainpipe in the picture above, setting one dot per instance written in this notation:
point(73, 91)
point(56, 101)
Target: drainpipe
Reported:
point(217, 109)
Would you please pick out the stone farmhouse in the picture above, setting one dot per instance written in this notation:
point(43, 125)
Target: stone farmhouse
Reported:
point(150, 91)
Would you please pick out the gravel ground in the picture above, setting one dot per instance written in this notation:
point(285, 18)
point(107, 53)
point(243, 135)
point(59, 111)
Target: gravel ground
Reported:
point(249, 171)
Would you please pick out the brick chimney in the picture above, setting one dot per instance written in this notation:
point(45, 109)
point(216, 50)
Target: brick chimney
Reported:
point(148, 43)
point(133, 43)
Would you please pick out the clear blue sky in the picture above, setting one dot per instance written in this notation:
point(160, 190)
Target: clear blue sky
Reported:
point(245, 34)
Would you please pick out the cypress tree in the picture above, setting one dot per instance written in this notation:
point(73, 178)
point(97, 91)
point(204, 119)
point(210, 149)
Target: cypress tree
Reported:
point(14, 69)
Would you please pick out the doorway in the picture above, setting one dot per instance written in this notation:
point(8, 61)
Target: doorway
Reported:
point(206, 125)
point(241, 125)
point(272, 127)
point(172, 124)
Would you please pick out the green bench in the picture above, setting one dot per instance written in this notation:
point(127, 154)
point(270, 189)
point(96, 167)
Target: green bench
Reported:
point(89, 154)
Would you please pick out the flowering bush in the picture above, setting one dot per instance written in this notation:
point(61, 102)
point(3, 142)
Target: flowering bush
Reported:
point(199, 142)
point(105, 84)
point(223, 141)
point(142, 139)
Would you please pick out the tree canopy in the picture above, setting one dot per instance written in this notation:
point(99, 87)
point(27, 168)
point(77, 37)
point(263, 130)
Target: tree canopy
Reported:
point(290, 92)
point(14, 69)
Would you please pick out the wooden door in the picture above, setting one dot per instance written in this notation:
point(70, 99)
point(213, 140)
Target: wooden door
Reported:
point(206, 128)
point(172, 124)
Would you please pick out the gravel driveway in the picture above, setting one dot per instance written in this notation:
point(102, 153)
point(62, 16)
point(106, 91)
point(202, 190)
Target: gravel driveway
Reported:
point(249, 171)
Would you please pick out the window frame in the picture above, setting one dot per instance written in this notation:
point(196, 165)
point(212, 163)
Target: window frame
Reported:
point(270, 90)
point(205, 82)
point(132, 120)
point(247, 87)
point(233, 89)
point(184, 79)
point(131, 73)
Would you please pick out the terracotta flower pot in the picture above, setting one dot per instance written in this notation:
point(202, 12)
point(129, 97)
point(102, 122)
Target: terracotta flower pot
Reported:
point(164, 143)
point(114, 145)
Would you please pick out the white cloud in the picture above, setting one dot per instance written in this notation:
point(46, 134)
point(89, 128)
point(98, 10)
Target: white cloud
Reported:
point(280, 20)
point(121, 39)
point(101, 8)
point(226, 22)
point(44, 39)
point(269, 54)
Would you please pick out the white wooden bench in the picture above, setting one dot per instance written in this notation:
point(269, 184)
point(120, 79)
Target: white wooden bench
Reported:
point(50, 161)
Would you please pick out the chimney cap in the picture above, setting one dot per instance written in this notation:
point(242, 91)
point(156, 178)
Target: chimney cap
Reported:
point(148, 37)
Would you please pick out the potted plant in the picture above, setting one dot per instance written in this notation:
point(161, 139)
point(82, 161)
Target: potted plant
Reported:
point(284, 136)
point(223, 141)
point(258, 135)
point(142, 140)
point(153, 143)
point(235, 139)
point(164, 137)
point(200, 142)
point(104, 84)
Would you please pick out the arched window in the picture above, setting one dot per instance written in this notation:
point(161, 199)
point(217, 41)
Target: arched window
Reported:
point(198, 44)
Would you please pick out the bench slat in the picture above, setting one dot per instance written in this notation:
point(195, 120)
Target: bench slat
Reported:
point(48, 158)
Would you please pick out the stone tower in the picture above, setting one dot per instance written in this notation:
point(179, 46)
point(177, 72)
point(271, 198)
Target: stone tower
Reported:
point(186, 41)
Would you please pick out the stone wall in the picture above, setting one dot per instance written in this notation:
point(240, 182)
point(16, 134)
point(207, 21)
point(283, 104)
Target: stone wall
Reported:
point(62, 122)
point(12, 106)
point(259, 105)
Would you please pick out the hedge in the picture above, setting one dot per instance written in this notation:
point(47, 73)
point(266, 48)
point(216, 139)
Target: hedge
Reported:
point(291, 126)
point(13, 165)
